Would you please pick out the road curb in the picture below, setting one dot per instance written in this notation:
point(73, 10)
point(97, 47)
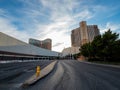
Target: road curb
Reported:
point(43, 73)
point(107, 65)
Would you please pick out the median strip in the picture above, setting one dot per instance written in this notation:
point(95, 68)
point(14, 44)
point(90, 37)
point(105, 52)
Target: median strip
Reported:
point(43, 73)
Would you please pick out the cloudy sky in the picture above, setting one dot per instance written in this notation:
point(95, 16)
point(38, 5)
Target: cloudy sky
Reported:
point(41, 19)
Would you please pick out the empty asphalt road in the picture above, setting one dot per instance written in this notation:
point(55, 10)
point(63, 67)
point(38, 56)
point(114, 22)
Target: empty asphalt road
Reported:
point(12, 75)
point(73, 75)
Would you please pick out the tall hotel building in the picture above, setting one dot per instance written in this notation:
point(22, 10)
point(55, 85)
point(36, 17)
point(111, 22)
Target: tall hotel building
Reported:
point(46, 44)
point(83, 34)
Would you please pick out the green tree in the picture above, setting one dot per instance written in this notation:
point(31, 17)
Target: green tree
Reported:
point(105, 46)
point(76, 55)
point(109, 42)
point(86, 50)
point(97, 46)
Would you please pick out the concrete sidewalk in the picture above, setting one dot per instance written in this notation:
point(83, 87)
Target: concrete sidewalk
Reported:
point(101, 64)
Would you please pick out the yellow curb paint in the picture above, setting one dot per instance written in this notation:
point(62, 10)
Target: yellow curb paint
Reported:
point(38, 71)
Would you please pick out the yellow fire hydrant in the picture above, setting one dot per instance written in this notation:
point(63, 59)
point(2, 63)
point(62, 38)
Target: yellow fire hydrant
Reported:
point(37, 71)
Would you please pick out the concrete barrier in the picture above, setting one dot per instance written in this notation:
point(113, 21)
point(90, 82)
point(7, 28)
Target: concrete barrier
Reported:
point(43, 73)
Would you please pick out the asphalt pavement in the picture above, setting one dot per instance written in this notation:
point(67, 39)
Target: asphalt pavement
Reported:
point(12, 75)
point(66, 75)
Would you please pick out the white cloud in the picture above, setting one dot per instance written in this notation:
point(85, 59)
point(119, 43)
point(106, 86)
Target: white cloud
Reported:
point(60, 21)
point(86, 14)
point(2, 12)
point(57, 31)
point(112, 26)
point(57, 44)
point(57, 5)
point(60, 15)
point(62, 18)
point(98, 8)
point(7, 28)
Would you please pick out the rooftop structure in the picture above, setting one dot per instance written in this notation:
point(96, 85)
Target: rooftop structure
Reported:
point(13, 46)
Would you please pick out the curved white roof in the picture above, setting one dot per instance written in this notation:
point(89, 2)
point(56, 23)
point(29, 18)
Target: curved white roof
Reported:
point(10, 44)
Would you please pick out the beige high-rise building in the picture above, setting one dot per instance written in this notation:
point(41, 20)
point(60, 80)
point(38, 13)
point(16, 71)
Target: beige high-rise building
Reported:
point(83, 34)
point(75, 37)
point(47, 43)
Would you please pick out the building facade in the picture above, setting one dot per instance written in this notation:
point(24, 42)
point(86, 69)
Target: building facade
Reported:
point(70, 51)
point(75, 37)
point(46, 44)
point(84, 34)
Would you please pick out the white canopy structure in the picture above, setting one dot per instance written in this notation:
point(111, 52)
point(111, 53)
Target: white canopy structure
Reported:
point(12, 45)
